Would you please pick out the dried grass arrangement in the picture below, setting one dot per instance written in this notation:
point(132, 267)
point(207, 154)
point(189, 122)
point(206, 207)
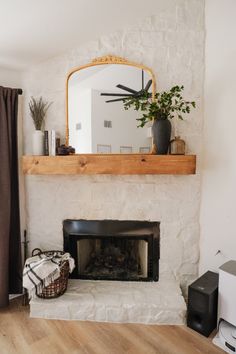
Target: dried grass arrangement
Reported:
point(38, 109)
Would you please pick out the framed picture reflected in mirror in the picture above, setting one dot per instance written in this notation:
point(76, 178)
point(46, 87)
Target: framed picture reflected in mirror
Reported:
point(126, 149)
point(144, 150)
point(103, 149)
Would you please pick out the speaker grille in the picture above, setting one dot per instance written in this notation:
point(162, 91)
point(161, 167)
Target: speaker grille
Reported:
point(198, 302)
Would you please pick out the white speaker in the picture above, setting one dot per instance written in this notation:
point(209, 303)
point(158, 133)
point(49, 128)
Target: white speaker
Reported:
point(226, 336)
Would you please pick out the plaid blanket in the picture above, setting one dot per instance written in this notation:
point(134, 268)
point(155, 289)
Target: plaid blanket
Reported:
point(41, 270)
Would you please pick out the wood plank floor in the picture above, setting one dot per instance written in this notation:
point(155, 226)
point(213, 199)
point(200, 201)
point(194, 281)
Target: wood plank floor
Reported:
point(21, 335)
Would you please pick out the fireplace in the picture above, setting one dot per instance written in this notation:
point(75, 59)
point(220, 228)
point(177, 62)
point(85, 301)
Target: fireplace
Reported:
point(113, 249)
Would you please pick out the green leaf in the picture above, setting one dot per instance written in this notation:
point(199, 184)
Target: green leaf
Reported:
point(166, 105)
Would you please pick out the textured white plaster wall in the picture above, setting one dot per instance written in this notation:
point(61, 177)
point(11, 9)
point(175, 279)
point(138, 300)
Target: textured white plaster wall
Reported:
point(172, 44)
point(219, 167)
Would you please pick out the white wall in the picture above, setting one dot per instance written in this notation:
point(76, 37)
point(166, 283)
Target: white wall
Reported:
point(79, 109)
point(10, 78)
point(124, 131)
point(218, 206)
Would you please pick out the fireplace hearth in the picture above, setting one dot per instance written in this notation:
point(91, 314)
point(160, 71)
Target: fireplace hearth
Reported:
point(113, 249)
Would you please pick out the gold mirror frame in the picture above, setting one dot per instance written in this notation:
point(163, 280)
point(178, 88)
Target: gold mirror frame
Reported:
point(109, 59)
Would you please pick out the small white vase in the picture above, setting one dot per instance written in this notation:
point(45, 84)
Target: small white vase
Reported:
point(38, 142)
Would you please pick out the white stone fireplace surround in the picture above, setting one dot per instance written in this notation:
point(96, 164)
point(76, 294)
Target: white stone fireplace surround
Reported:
point(172, 44)
point(158, 300)
point(172, 200)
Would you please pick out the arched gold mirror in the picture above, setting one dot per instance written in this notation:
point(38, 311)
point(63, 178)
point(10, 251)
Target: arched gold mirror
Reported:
point(96, 121)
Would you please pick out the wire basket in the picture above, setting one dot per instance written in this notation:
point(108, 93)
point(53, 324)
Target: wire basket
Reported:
point(58, 286)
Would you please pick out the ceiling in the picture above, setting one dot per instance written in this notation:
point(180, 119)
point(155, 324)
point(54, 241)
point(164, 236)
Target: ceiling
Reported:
point(32, 30)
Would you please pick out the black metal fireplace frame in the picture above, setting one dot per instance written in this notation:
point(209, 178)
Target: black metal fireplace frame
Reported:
point(74, 230)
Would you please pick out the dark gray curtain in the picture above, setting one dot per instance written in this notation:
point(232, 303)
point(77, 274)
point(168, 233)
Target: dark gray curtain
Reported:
point(10, 243)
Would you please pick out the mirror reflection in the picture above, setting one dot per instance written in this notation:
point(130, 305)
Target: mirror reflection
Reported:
point(97, 120)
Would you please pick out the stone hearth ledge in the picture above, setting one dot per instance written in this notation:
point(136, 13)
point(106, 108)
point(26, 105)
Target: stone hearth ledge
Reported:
point(115, 301)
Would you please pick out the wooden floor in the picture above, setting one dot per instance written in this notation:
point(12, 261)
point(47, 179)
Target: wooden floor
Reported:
point(21, 335)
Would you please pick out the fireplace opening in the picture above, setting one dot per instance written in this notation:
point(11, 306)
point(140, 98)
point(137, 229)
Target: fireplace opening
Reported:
point(112, 249)
point(112, 258)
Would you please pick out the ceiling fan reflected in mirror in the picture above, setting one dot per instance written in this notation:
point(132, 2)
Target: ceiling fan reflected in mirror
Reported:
point(132, 92)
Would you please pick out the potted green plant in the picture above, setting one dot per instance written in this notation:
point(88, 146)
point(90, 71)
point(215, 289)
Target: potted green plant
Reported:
point(160, 111)
point(38, 109)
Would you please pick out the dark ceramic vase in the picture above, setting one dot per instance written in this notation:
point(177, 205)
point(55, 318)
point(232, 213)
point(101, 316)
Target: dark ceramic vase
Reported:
point(161, 132)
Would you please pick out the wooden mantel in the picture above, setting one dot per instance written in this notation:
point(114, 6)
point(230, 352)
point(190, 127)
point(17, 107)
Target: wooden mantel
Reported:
point(113, 164)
